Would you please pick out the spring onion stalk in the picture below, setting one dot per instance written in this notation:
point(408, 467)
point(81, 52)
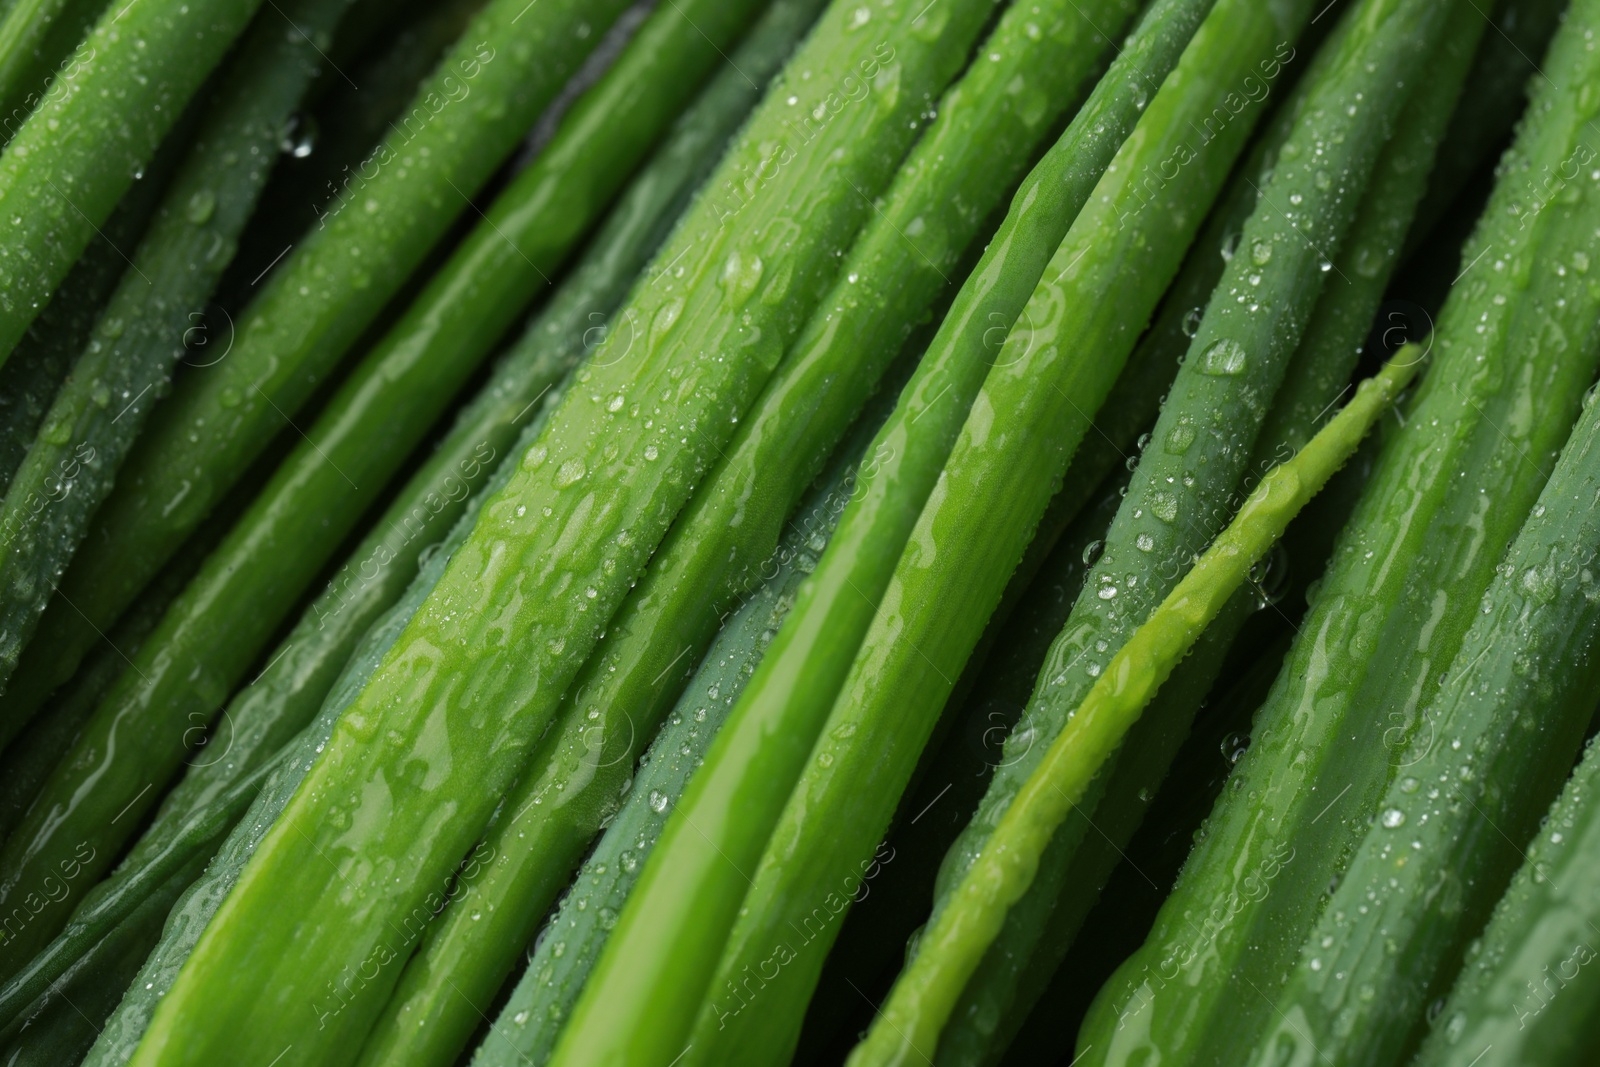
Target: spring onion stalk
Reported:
point(733, 523)
point(465, 119)
point(194, 911)
point(35, 36)
point(31, 379)
point(613, 467)
point(1390, 613)
point(287, 694)
point(1235, 362)
point(566, 949)
point(203, 647)
point(92, 135)
point(61, 1024)
point(112, 901)
point(1313, 379)
point(1527, 993)
point(901, 467)
point(129, 358)
point(27, 763)
point(909, 1024)
point(1445, 836)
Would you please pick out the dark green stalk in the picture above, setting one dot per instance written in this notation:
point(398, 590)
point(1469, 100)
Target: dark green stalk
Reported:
point(1528, 992)
point(465, 119)
point(958, 937)
point(114, 900)
point(1314, 377)
point(1475, 777)
point(129, 357)
point(35, 36)
point(204, 645)
point(1495, 96)
point(30, 759)
point(44, 357)
point(92, 136)
point(1390, 614)
point(329, 140)
point(194, 911)
point(62, 1022)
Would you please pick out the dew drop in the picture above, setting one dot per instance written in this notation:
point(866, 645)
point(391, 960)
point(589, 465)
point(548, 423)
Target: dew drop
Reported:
point(665, 319)
point(1179, 438)
point(200, 207)
point(1191, 321)
point(570, 473)
point(299, 136)
point(741, 274)
point(1224, 358)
